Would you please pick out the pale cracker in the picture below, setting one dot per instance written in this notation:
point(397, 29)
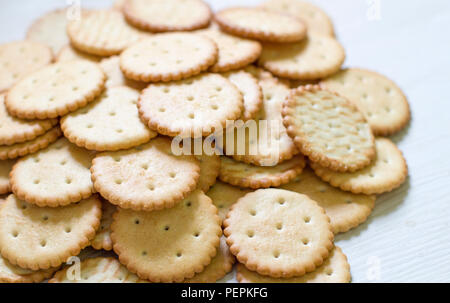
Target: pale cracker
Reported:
point(148, 177)
point(387, 172)
point(97, 270)
point(19, 59)
point(271, 146)
point(159, 58)
point(50, 29)
point(345, 210)
point(380, 100)
point(109, 123)
point(234, 52)
point(29, 147)
point(167, 15)
point(56, 176)
point(102, 33)
point(102, 238)
point(251, 176)
point(209, 171)
point(168, 245)
point(5, 168)
point(224, 196)
point(68, 53)
point(40, 237)
point(316, 19)
point(14, 274)
point(190, 108)
point(316, 57)
point(250, 90)
point(328, 129)
point(56, 90)
point(220, 265)
point(335, 269)
point(278, 233)
point(261, 24)
point(13, 130)
point(114, 75)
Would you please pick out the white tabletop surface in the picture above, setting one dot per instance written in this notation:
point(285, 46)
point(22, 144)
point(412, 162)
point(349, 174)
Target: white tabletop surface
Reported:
point(407, 237)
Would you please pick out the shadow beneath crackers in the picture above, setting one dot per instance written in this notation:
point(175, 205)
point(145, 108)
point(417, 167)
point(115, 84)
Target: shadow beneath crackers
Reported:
point(384, 205)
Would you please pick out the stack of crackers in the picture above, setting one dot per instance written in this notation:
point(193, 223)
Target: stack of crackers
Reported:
point(92, 104)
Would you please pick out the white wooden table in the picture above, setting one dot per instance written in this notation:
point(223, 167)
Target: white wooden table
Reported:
point(407, 238)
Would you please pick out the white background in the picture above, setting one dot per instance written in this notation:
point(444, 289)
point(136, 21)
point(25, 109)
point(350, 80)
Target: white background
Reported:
point(407, 238)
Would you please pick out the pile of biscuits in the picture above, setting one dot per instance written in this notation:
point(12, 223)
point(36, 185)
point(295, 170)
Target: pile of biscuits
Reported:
point(91, 105)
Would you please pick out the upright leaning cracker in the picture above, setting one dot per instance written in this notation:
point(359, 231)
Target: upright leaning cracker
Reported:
point(316, 57)
point(111, 122)
point(260, 24)
point(145, 178)
point(5, 169)
point(380, 100)
point(56, 176)
point(158, 58)
point(19, 59)
point(168, 245)
point(328, 129)
point(102, 238)
point(56, 90)
point(167, 15)
point(315, 18)
point(278, 233)
point(224, 196)
point(41, 237)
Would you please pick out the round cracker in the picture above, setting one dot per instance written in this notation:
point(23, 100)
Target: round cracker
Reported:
point(5, 168)
point(316, 57)
point(29, 147)
point(167, 15)
point(158, 178)
point(98, 270)
point(19, 59)
point(158, 58)
point(41, 237)
point(14, 274)
point(261, 24)
point(56, 90)
point(262, 150)
point(68, 53)
point(56, 176)
point(109, 123)
point(209, 171)
point(190, 108)
point(387, 172)
point(251, 176)
point(316, 19)
point(328, 129)
point(102, 238)
point(380, 100)
point(345, 210)
point(219, 267)
point(114, 75)
point(13, 130)
point(161, 247)
point(250, 90)
point(335, 269)
point(278, 233)
point(234, 52)
point(224, 196)
point(102, 33)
